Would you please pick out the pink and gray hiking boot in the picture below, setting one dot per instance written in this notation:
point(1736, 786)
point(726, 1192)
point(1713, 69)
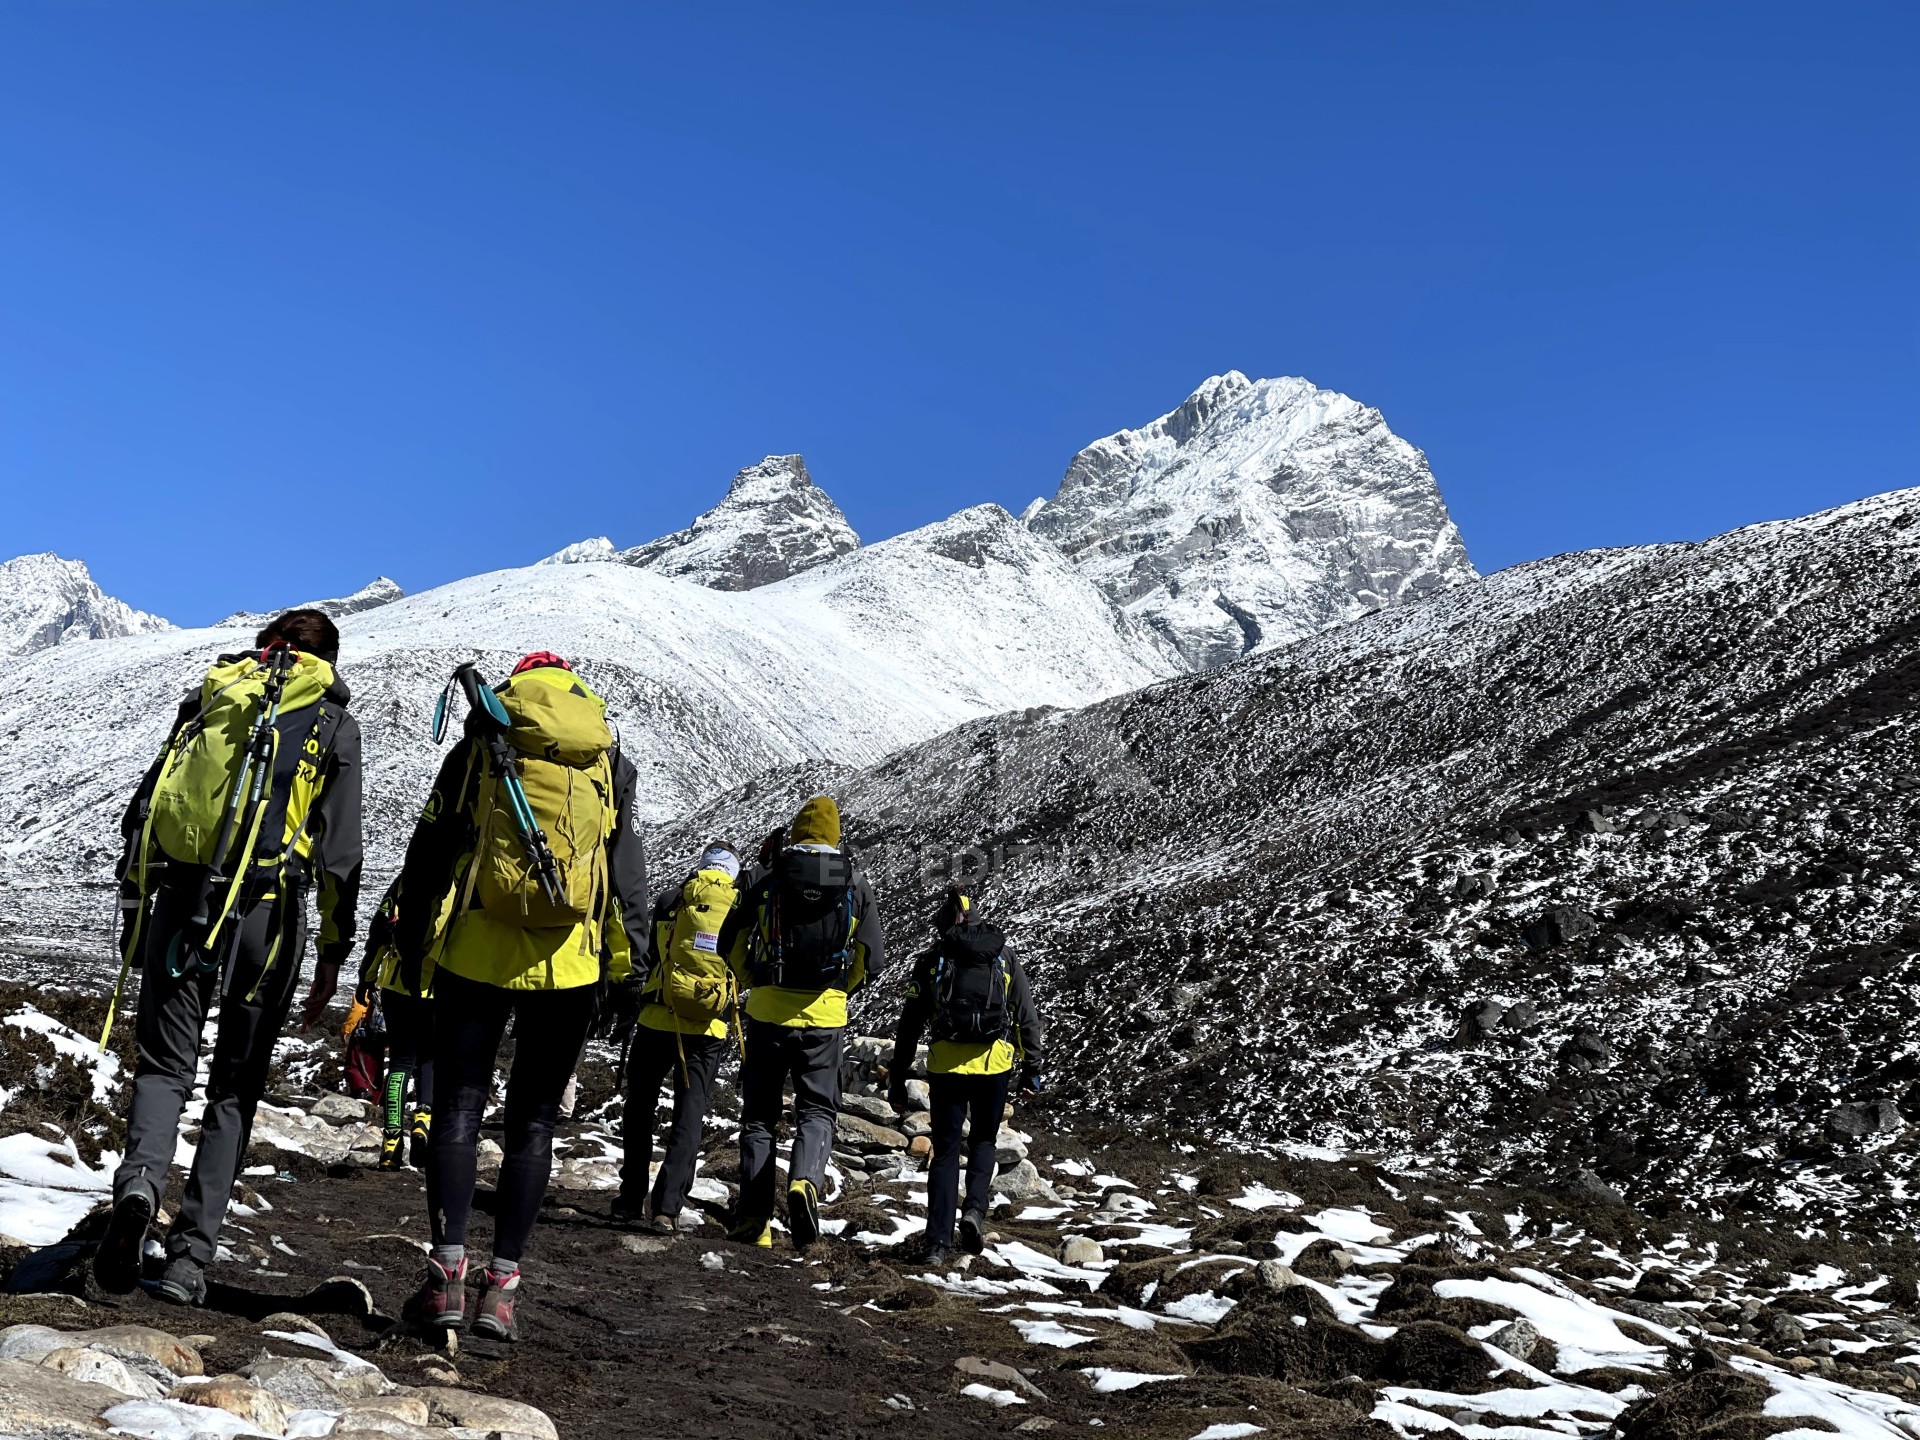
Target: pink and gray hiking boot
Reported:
point(440, 1303)
point(494, 1319)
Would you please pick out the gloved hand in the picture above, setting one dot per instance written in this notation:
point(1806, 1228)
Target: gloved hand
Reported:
point(897, 1095)
point(1033, 1083)
point(621, 1010)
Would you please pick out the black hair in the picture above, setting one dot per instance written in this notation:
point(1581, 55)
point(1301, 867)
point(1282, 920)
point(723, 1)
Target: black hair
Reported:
point(309, 631)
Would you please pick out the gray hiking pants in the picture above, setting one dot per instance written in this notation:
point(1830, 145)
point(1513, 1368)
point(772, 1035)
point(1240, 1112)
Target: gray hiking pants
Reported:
point(172, 1019)
point(812, 1058)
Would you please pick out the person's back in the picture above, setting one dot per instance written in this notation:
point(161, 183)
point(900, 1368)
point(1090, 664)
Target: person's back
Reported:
point(804, 937)
point(408, 1014)
point(254, 800)
point(531, 829)
point(687, 1012)
point(970, 995)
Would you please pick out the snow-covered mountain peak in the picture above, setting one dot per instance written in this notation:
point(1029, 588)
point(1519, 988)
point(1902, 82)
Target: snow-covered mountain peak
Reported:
point(774, 522)
point(584, 552)
point(46, 600)
point(370, 596)
point(1256, 512)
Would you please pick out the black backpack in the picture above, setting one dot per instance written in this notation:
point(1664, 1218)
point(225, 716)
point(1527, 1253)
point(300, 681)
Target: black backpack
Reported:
point(972, 985)
point(809, 922)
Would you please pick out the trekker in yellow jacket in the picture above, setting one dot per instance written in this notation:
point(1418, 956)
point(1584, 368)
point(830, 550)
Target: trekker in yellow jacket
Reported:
point(510, 948)
point(970, 995)
point(806, 935)
point(409, 1020)
point(685, 995)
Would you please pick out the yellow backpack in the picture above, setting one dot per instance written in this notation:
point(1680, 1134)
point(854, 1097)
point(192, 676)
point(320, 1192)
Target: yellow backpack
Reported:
point(698, 984)
point(563, 754)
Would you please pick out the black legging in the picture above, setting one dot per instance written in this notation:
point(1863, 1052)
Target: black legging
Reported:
point(977, 1101)
point(470, 1019)
point(409, 1054)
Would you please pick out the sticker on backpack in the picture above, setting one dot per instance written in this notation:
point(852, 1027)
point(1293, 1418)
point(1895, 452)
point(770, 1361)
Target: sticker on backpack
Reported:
point(707, 941)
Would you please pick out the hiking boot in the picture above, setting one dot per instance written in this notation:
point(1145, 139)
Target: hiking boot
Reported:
point(441, 1301)
point(116, 1264)
point(939, 1256)
point(391, 1142)
point(628, 1209)
point(803, 1213)
point(183, 1282)
point(494, 1318)
point(973, 1232)
point(422, 1134)
point(752, 1231)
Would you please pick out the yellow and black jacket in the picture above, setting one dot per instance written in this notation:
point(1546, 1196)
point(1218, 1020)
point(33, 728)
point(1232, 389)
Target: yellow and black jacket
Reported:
point(1022, 1044)
point(745, 940)
point(475, 947)
point(655, 1014)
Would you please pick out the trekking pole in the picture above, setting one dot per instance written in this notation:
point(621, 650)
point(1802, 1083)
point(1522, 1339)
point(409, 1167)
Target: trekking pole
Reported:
point(492, 729)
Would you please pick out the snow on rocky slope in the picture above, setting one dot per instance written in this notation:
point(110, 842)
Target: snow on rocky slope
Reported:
point(772, 523)
point(848, 661)
point(1256, 513)
point(370, 596)
point(1603, 864)
point(47, 601)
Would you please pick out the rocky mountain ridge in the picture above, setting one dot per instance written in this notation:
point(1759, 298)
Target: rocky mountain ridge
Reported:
point(47, 601)
point(772, 523)
point(1254, 514)
point(371, 596)
point(1605, 863)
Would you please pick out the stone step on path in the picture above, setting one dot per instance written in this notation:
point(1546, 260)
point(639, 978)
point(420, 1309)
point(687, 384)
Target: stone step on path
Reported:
point(144, 1382)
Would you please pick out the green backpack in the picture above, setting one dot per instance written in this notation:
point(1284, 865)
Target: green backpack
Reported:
point(697, 984)
point(206, 789)
point(563, 753)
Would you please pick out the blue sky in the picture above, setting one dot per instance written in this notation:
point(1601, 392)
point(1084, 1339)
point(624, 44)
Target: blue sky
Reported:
point(291, 295)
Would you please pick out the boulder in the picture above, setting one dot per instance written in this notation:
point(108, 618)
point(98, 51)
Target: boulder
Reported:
point(919, 1095)
point(1585, 1050)
point(470, 1410)
point(236, 1395)
point(1480, 1019)
point(488, 1154)
point(1079, 1250)
point(1272, 1275)
point(96, 1367)
point(1859, 1119)
point(339, 1109)
point(918, 1122)
point(1324, 1260)
point(299, 1324)
point(1590, 1188)
point(303, 1383)
point(30, 1343)
point(387, 1427)
point(1520, 1017)
point(865, 1135)
point(869, 1107)
point(1517, 1338)
point(920, 1147)
point(998, 1374)
point(1020, 1182)
point(164, 1349)
point(1009, 1149)
point(44, 1403)
point(413, 1409)
point(1559, 926)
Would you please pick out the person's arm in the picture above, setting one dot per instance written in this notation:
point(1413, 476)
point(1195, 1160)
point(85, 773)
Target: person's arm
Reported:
point(869, 939)
point(914, 1013)
point(339, 851)
point(441, 835)
point(133, 822)
point(379, 937)
point(1032, 1033)
point(627, 863)
point(736, 931)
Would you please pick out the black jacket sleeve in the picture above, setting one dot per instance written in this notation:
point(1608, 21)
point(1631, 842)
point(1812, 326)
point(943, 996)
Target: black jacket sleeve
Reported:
point(740, 924)
point(339, 848)
point(442, 834)
point(627, 862)
point(869, 938)
point(1032, 1035)
point(914, 1015)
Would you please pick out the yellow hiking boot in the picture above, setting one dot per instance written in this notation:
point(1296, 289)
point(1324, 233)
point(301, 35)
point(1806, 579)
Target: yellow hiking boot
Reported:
point(803, 1213)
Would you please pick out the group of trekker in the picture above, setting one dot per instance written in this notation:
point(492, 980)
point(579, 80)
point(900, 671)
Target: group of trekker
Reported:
point(523, 900)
